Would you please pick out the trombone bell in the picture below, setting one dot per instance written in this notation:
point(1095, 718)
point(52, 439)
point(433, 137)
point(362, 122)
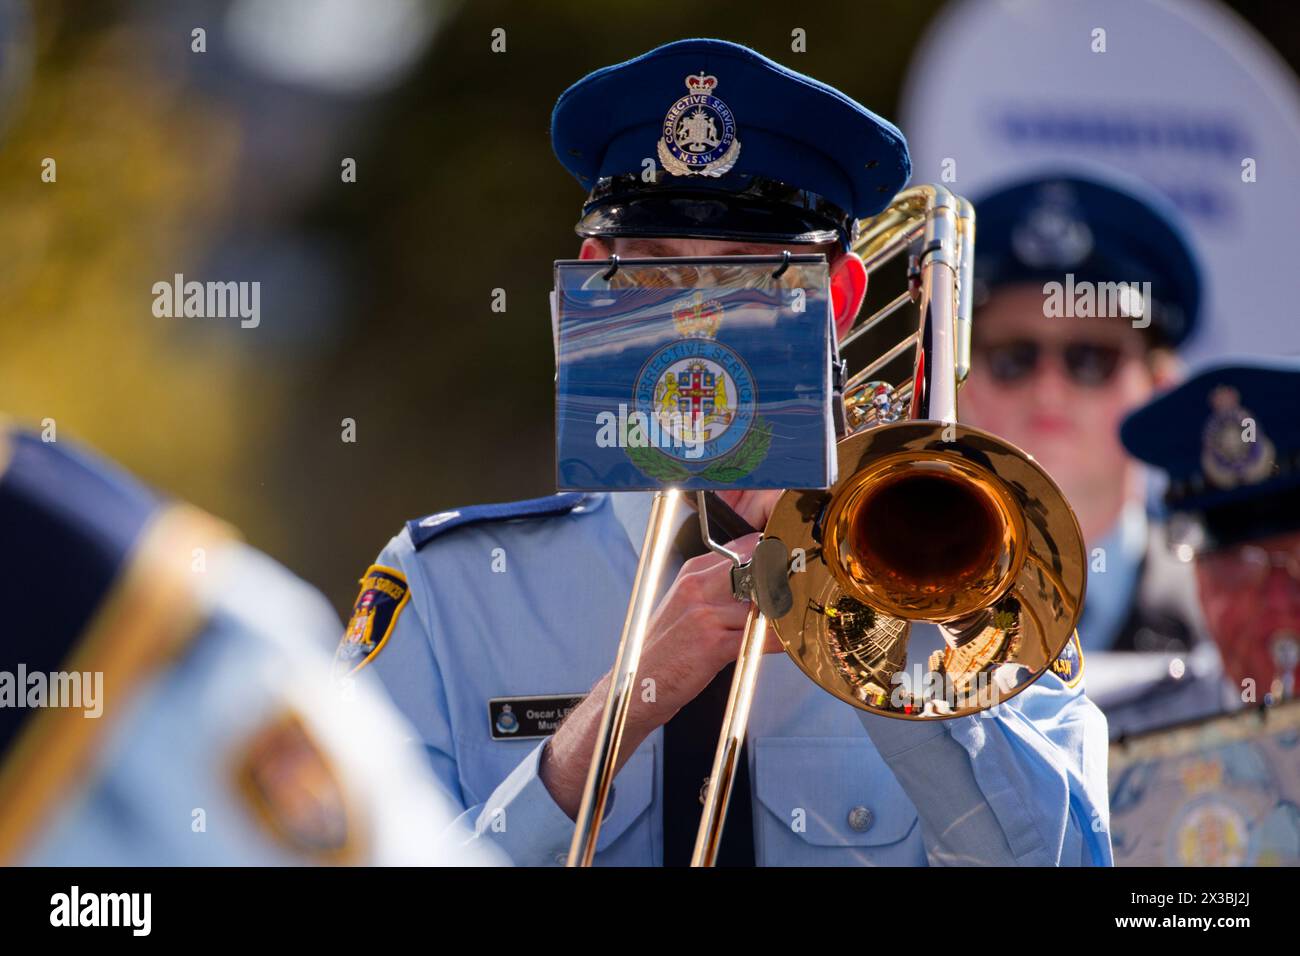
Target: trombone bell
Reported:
point(923, 536)
point(938, 523)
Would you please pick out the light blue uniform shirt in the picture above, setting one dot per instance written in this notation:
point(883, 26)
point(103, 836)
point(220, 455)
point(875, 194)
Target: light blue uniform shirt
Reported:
point(533, 607)
point(1112, 585)
point(163, 788)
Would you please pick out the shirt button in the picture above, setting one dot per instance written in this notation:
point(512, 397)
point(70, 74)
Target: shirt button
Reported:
point(561, 857)
point(861, 819)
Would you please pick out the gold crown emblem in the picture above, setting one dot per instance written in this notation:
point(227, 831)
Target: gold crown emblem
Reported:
point(700, 319)
point(701, 83)
point(1202, 775)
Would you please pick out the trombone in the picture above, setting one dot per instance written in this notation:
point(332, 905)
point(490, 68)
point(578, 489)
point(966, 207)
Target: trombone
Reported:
point(929, 521)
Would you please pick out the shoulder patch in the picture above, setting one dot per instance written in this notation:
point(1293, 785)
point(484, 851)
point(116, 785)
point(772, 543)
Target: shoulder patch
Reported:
point(423, 530)
point(384, 593)
point(291, 789)
point(1068, 665)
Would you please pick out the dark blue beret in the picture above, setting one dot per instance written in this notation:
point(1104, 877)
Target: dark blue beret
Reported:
point(1100, 228)
point(1229, 440)
point(720, 119)
point(70, 521)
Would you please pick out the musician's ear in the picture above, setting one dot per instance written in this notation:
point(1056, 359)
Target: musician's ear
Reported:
point(594, 249)
point(848, 289)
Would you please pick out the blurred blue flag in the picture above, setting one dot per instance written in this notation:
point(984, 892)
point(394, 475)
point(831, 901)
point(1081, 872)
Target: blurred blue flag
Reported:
point(693, 373)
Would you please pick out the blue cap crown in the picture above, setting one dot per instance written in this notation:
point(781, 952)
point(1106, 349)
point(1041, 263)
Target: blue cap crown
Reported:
point(1229, 440)
point(717, 116)
point(1098, 227)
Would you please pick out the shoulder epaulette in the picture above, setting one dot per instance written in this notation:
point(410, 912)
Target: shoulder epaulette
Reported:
point(423, 530)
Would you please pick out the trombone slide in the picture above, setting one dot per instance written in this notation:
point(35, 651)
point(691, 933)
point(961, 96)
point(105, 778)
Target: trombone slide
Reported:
point(622, 685)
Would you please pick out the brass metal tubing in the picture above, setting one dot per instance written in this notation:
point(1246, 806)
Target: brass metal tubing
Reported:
point(938, 334)
point(717, 793)
point(965, 285)
point(896, 246)
point(879, 364)
point(866, 325)
point(622, 685)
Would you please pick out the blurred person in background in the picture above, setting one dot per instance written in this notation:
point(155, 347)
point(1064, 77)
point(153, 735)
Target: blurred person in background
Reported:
point(165, 695)
point(1086, 286)
point(1225, 791)
point(1229, 441)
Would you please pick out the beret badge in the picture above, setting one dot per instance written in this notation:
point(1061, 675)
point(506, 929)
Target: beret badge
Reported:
point(1228, 456)
point(1053, 234)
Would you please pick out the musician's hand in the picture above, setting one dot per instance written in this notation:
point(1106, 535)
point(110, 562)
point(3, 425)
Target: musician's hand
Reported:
point(694, 632)
point(754, 506)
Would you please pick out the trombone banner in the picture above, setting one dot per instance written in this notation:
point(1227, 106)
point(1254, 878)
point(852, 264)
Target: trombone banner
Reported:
point(693, 373)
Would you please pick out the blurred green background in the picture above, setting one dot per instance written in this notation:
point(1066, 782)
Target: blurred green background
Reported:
point(375, 295)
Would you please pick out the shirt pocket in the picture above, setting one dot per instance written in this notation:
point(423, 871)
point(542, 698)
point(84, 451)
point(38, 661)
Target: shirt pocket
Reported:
point(831, 801)
point(484, 766)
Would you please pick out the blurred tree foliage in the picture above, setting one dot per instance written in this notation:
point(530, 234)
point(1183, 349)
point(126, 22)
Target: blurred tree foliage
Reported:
point(141, 171)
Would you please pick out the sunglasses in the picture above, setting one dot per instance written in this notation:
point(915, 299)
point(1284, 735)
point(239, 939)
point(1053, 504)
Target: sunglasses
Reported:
point(1091, 364)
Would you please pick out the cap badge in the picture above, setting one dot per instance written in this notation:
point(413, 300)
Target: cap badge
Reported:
point(1228, 457)
point(699, 132)
point(1053, 234)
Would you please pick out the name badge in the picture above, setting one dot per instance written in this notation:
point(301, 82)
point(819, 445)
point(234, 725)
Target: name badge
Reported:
point(527, 718)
